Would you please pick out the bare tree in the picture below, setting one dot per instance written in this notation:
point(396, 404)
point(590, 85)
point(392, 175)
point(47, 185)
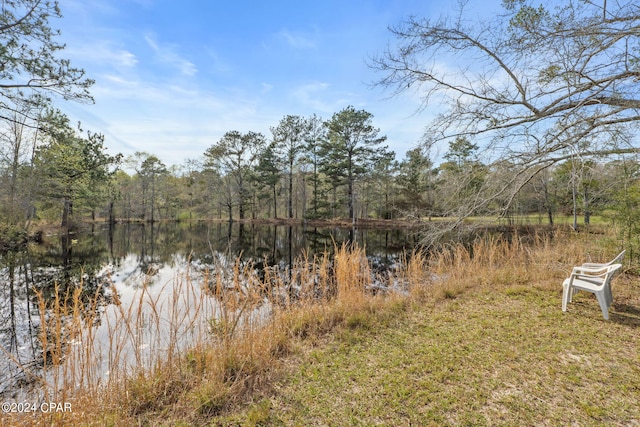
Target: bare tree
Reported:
point(533, 86)
point(234, 155)
point(18, 137)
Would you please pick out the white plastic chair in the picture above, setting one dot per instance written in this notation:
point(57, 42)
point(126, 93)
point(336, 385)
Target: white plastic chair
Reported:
point(617, 260)
point(595, 280)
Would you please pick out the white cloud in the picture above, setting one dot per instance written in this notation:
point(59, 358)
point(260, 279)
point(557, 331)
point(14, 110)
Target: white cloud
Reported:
point(173, 121)
point(167, 55)
point(147, 98)
point(87, 8)
point(216, 63)
point(296, 40)
point(150, 39)
point(314, 95)
point(102, 53)
point(126, 59)
point(112, 78)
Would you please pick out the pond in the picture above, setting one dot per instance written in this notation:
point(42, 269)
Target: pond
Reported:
point(113, 268)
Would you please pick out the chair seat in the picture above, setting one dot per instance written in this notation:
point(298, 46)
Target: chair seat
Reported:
point(584, 285)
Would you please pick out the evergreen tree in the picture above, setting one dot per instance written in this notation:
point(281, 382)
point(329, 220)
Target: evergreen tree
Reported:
point(350, 148)
point(268, 173)
point(289, 140)
point(71, 168)
point(415, 180)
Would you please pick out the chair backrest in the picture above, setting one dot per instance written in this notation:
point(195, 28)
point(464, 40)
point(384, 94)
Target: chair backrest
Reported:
point(618, 259)
point(612, 270)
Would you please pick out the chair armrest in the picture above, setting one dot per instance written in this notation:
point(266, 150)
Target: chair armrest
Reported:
point(595, 279)
point(590, 270)
point(595, 264)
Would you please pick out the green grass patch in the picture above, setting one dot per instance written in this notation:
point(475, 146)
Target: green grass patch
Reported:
point(487, 357)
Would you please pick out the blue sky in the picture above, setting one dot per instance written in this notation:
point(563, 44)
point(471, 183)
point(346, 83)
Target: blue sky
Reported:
point(173, 76)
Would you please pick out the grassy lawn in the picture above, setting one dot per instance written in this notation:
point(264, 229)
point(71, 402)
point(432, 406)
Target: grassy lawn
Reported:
point(505, 356)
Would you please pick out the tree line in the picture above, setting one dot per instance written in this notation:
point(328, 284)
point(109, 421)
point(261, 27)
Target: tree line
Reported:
point(307, 168)
point(539, 115)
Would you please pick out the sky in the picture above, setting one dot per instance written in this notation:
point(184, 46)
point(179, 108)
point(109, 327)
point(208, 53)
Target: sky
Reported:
point(173, 76)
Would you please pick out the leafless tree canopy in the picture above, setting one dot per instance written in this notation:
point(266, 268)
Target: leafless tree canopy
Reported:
point(534, 85)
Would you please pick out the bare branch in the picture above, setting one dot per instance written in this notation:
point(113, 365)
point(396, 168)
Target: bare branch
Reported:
point(534, 85)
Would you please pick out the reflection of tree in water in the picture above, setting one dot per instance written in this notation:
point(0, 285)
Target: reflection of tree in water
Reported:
point(283, 256)
point(18, 318)
point(66, 263)
point(73, 266)
point(156, 245)
point(33, 280)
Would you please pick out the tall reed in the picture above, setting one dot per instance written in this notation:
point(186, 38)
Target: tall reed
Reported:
point(491, 262)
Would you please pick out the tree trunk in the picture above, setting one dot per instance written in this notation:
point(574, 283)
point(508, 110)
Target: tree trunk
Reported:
point(587, 213)
point(315, 190)
point(350, 198)
point(335, 200)
point(304, 196)
point(275, 202)
point(13, 185)
point(153, 199)
point(350, 188)
point(574, 195)
point(575, 206)
point(67, 210)
point(290, 202)
point(547, 203)
point(254, 210)
point(112, 219)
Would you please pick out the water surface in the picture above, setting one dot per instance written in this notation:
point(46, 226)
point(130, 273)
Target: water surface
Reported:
point(118, 263)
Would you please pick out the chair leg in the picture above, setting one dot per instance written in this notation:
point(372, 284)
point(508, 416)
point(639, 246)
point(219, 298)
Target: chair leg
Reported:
point(604, 305)
point(566, 294)
point(609, 294)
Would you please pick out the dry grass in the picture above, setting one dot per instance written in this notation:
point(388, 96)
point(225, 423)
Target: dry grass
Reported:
point(246, 332)
point(217, 339)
